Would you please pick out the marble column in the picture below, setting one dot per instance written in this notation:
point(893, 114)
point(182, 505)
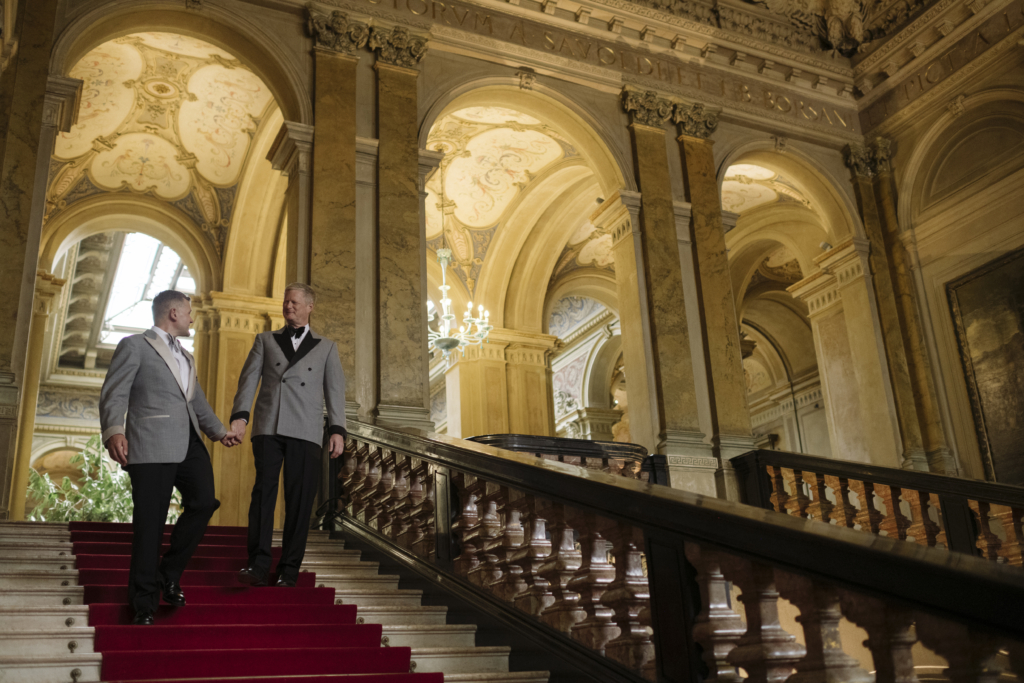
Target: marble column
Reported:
point(940, 457)
point(367, 349)
point(34, 117)
point(848, 340)
point(291, 154)
point(47, 290)
point(727, 388)
point(404, 393)
point(863, 169)
point(651, 302)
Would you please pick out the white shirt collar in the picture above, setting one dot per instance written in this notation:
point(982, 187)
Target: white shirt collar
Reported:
point(165, 336)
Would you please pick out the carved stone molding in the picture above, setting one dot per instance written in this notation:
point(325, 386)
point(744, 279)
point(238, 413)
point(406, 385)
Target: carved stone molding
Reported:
point(292, 148)
point(694, 121)
point(956, 106)
point(646, 107)
point(881, 152)
point(397, 46)
point(858, 159)
point(335, 31)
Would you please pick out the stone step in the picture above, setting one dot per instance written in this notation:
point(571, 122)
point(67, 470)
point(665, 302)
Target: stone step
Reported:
point(28, 548)
point(430, 635)
point(83, 668)
point(42, 597)
point(390, 615)
point(343, 566)
point(42, 618)
point(17, 564)
point(38, 578)
point(377, 583)
point(49, 642)
point(510, 677)
point(368, 597)
point(460, 660)
point(8, 534)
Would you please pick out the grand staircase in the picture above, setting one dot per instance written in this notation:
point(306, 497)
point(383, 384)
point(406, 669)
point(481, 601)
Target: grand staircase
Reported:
point(63, 617)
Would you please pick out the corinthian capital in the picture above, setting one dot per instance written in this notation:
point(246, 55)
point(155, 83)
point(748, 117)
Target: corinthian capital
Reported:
point(694, 121)
point(881, 152)
point(860, 161)
point(398, 46)
point(335, 31)
point(646, 107)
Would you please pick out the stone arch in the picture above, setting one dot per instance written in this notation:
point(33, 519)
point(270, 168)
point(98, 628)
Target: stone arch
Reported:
point(257, 48)
point(598, 375)
point(598, 286)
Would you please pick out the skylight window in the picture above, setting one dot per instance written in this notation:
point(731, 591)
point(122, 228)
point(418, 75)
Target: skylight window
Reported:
point(146, 268)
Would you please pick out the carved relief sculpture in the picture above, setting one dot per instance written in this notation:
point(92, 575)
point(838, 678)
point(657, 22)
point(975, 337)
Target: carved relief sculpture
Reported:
point(695, 121)
point(646, 107)
point(336, 32)
point(398, 46)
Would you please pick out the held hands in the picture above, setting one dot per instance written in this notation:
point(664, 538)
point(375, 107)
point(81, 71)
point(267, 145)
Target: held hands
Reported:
point(235, 436)
point(117, 447)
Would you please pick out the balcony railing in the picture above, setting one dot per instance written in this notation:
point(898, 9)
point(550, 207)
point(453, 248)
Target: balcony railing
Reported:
point(628, 579)
point(962, 515)
point(624, 459)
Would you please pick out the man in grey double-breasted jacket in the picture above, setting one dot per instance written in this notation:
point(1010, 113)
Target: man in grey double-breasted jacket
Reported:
point(298, 371)
point(152, 410)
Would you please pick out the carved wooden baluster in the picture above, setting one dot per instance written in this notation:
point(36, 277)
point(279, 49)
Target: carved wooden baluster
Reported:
point(890, 635)
point(868, 516)
point(820, 615)
point(488, 536)
point(366, 493)
point(895, 523)
point(627, 595)
point(988, 543)
point(510, 583)
point(843, 511)
point(561, 564)
point(409, 530)
point(424, 543)
point(821, 508)
point(466, 523)
point(779, 496)
point(1010, 518)
point(970, 653)
point(382, 495)
point(400, 503)
point(530, 556)
point(591, 581)
point(924, 530)
point(357, 481)
point(718, 628)
point(766, 650)
point(798, 500)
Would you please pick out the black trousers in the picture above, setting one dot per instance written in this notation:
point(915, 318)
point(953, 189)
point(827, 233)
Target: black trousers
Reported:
point(301, 461)
point(152, 486)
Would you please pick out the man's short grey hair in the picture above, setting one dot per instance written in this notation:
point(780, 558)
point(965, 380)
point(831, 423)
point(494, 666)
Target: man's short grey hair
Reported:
point(305, 289)
point(165, 301)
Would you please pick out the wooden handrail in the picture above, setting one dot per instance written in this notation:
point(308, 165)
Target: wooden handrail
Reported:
point(974, 517)
point(625, 459)
point(637, 573)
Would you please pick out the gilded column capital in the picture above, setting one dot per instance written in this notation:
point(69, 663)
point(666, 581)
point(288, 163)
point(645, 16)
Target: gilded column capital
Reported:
point(859, 159)
point(397, 47)
point(646, 108)
point(694, 121)
point(335, 31)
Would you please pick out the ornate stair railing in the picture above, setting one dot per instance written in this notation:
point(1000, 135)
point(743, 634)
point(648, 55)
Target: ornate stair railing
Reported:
point(628, 580)
point(963, 515)
point(624, 459)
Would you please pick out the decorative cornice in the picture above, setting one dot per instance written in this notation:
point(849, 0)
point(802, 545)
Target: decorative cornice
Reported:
point(397, 46)
point(336, 32)
point(646, 107)
point(694, 121)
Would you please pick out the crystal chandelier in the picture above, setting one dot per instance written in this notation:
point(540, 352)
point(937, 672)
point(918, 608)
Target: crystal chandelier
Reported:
point(446, 338)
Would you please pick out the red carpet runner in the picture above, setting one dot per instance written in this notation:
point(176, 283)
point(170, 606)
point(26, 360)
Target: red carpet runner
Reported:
point(227, 630)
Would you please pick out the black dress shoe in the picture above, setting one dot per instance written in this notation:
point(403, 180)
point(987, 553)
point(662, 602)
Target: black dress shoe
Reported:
point(285, 582)
point(173, 594)
point(143, 618)
point(251, 576)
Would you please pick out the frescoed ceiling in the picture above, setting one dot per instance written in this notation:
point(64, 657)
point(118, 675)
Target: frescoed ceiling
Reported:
point(779, 267)
point(162, 115)
point(572, 312)
point(589, 247)
point(492, 155)
point(747, 186)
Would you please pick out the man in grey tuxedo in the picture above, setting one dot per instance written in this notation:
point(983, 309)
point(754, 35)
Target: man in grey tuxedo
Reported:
point(298, 371)
point(152, 410)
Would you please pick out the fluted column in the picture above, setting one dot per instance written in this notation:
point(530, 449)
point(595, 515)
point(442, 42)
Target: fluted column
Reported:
point(655, 333)
point(863, 169)
point(291, 154)
point(36, 108)
point(404, 392)
point(47, 290)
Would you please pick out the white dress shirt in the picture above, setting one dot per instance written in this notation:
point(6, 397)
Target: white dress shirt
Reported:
point(184, 367)
point(298, 340)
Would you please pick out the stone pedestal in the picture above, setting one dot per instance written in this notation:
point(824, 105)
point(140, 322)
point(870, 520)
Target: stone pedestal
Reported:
point(47, 290)
point(860, 408)
point(291, 154)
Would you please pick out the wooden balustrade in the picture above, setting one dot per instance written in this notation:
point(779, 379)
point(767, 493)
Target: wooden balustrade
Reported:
point(635, 581)
point(932, 510)
point(622, 459)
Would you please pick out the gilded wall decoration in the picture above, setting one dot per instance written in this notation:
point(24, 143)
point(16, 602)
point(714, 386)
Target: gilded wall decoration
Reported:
point(572, 312)
point(76, 406)
point(162, 115)
point(987, 306)
point(747, 186)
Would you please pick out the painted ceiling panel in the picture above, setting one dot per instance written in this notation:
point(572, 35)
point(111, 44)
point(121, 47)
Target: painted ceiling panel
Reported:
point(747, 186)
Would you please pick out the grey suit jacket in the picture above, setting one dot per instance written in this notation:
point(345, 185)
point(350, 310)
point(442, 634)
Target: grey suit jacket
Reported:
point(143, 382)
point(295, 386)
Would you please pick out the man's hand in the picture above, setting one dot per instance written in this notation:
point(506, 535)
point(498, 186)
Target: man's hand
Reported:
point(238, 430)
point(117, 447)
point(337, 445)
point(230, 440)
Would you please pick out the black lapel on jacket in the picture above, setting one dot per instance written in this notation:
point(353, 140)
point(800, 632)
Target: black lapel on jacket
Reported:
point(285, 342)
point(308, 342)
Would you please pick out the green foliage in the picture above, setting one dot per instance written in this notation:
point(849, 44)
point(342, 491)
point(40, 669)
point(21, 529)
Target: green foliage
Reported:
point(104, 493)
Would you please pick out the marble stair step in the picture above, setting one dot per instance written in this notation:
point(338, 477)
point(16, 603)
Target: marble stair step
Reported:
point(344, 582)
point(373, 597)
point(461, 659)
point(49, 618)
point(49, 642)
point(17, 564)
point(83, 668)
point(32, 548)
point(38, 578)
point(18, 534)
point(42, 597)
point(342, 566)
point(430, 635)
point(389, 615)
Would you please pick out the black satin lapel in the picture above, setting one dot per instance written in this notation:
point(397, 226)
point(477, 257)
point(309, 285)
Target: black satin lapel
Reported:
point(285, 342)
point(305, 347)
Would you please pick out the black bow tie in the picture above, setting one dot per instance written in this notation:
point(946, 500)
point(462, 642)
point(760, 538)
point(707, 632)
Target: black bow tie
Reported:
point(296, 332)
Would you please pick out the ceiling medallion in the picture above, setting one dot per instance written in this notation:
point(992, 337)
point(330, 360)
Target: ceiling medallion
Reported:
point(158, 87)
